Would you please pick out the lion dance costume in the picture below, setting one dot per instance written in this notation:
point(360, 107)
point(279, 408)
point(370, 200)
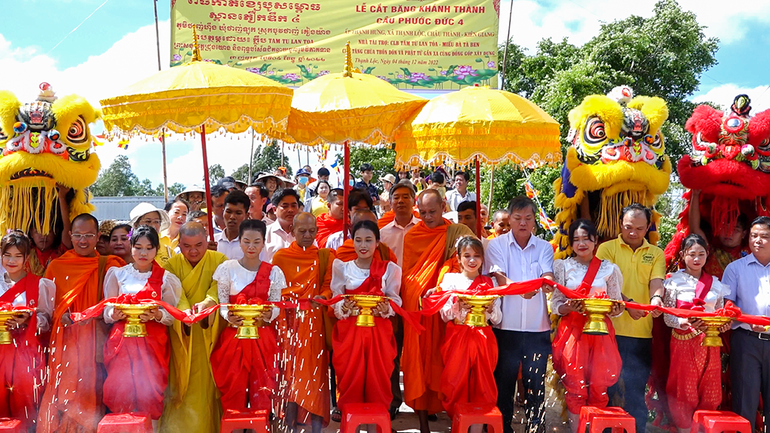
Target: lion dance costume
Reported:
point(44, 143)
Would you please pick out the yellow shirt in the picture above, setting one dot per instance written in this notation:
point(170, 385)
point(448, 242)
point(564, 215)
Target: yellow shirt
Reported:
point(638, 268)
point(166, 250)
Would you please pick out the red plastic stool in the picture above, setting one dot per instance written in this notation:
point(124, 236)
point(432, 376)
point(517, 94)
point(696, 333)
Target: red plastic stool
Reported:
point(599, 419)
point(467, 414)
point(11, 425)
point(355, 414)
point(716, 421)
point(254, 420)
point(135, 422)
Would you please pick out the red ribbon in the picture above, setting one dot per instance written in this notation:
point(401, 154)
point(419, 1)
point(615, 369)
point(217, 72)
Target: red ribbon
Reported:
point(96, 310)
point(411, 317)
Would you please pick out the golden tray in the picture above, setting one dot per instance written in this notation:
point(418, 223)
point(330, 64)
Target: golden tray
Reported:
point(365, 303)
point(250, 313)
point(596, 309)
point(5, 333)
point(479, 303)
point(134, 326)
point(712, 338)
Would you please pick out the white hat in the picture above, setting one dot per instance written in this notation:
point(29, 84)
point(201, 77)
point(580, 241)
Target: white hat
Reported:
point(388, 178)
point(143, 209)
point(287, 183)
point(189, 189)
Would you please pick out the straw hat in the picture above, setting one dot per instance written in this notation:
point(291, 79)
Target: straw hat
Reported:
point(106, 226)
point(143, 209)
point(388, 178)
point(194, 188)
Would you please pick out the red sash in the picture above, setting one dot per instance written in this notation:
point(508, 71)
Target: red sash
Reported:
point(702, 288)
point(373, 284)
point(257, 290)
point(588, 280)
point(30, 285)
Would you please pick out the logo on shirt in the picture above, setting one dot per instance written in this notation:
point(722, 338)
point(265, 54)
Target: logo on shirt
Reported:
point(647, 259)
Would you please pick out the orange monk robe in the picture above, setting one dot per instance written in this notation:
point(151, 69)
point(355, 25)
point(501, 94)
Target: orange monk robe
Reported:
point(429, 249)
point(72, 401)
point(305, 361)
point(346, 252)
point(327, 225)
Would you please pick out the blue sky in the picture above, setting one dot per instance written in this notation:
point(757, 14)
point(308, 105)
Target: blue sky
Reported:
point(116, 46)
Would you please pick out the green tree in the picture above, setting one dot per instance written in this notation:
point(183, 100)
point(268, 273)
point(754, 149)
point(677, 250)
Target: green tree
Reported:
point(117, 180)
point(216, 172)
point(266, 159)
point(383, 159)
point(173, 190)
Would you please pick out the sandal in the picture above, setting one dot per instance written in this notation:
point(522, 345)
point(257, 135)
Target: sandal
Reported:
point(336, 415)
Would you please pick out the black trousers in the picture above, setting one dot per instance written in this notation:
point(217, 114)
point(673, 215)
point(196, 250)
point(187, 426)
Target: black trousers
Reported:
point(528, 350)
point(636, 354)
point(750, 375)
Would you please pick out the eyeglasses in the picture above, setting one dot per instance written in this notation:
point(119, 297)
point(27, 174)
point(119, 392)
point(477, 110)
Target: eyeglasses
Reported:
point(86, 236)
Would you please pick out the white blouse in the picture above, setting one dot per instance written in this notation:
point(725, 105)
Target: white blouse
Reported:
point(451, 310)
point(232, 278)
point(347, 276)
point(127, 280)
point(570, 273)
point(45, 300)
point(680, 286)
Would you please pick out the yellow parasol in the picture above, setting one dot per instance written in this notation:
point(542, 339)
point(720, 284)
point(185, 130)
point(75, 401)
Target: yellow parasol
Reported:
point(348, 107)
point(479, 124)
point(197, 96)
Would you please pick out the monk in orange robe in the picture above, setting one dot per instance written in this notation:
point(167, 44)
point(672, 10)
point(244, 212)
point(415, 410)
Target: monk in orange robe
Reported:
point(72, 402)
point(346, 252)
point(431, 243)
point(330, 222)
point(305, 361)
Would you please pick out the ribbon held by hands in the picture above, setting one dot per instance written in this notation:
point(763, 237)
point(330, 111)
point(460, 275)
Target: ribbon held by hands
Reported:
point(186, 318)
point(411, 317)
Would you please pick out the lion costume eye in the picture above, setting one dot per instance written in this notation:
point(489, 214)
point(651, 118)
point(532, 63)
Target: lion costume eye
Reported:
point(594, 136)
point(654, 143)
point(78, 133)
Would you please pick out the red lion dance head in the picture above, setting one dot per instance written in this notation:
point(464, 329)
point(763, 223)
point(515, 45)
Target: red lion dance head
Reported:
point(730, 165)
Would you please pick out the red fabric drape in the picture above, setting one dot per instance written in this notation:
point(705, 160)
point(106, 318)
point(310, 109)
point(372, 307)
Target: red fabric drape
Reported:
point(137, 368)
point(245, 370)
point(327, 225)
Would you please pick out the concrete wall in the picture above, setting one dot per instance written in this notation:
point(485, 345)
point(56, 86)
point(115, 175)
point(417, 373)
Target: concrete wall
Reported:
point(118, 208)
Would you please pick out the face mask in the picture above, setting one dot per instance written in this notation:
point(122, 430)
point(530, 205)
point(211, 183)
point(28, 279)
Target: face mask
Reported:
point(303, 180)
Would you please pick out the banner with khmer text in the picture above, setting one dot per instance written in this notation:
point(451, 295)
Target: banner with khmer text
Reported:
point(413, 44)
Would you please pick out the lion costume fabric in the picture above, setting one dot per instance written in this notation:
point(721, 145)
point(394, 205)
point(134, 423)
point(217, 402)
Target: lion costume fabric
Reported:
point(616, 157)
point(44, 143)
point(730, 164)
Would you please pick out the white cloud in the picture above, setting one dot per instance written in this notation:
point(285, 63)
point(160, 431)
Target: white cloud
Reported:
point(725, 94)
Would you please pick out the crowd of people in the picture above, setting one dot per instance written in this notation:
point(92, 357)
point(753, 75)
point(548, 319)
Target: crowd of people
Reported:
point(413, 243)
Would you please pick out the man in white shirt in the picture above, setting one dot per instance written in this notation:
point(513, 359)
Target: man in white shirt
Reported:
point(279, 234)
point(460, 192)
point(236, 210)
point(402, 197)
point(523, 334)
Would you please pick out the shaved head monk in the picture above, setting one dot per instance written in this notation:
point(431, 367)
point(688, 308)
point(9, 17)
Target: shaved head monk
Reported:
point(305, 361)
point(191, 398)
point(72, 401)
point(431, 243)
point(346, 252)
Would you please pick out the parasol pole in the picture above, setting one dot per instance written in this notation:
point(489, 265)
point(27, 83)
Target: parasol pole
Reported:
point(162, 132)
point(345, 189)
point(251, 157)
point(209, 207)
point(491, 188)
point(505, 51)
point(478, 199)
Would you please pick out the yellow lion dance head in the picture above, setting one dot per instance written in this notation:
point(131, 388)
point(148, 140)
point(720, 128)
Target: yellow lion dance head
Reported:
point(616, 158)
point(44, 143)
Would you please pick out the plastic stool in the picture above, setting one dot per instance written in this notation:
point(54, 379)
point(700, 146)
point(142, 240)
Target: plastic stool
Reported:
point(11, 425)
point(599, 419)
point(355, 414)
point(467, 414)
point(134, 422)
point(254, 420)
point(716, 421)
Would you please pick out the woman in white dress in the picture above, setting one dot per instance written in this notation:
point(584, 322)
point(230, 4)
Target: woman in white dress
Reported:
point(137, 368)
point(246, 370)
point(22, 363)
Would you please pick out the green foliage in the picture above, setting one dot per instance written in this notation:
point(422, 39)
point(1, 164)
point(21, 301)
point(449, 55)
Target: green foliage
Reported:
point(382, 159)
point(216, 172)
point(670, 205)
point(266, 159)
point(664, 55)
point(119, 181)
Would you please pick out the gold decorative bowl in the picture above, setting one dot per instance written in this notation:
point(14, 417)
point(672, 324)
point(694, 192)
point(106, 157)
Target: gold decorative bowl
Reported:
point(5, 333)
point(479, 304)
point(596, 309)
point(712, 338)
point(134, 326)
point(250, 313)
point(365, 303)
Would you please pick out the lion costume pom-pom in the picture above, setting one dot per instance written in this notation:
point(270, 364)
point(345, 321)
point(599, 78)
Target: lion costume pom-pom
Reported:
point(44, 143)
point(616, 157)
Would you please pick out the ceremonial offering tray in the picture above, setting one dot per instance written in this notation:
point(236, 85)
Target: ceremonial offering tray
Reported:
point(479, 304)
point(712, 338)
point(596, 309)
point(134, 326)
point(250, 314)
point(5, 333)
point(365, 303)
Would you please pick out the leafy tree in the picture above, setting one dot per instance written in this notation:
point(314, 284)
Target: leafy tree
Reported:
point(173, 190)
point(266, 159)
point(117, 180)
point(144, 188)
point(216, 172)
